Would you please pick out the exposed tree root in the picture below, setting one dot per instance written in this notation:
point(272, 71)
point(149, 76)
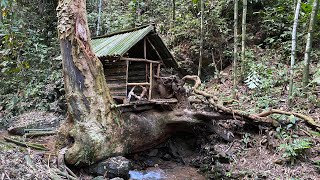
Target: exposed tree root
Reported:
point(261, 118)
point(308, 119)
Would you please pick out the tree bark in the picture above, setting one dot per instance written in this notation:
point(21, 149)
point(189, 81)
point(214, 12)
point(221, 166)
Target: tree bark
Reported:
point(243, 39)
point(293, 50)
point(235, 48)
point(90, 122)
point(309, 44)
point(201, 39)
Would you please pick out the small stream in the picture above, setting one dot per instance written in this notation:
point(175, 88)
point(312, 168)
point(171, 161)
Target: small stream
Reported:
point(167, 171)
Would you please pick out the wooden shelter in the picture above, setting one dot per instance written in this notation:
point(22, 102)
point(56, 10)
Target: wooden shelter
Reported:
point(132, 61)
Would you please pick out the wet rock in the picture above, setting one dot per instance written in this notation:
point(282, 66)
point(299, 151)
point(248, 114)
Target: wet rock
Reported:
point(113, 167)
point(167, 157)
point(153, 153)
point(99, 178)
point(117, 178)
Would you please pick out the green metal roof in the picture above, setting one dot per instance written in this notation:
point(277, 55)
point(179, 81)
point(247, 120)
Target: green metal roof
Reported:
point(119, 44)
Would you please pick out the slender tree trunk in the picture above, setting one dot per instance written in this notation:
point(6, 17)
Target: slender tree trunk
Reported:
point(173, 11)
point(243, 40)
point(309, 44)
point(235, 48)
point(99, 17)
point(201, 39)
point(293, 51)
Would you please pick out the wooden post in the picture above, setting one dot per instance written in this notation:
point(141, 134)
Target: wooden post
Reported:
point(127, 78)
point(151, 79)
point(158, 71)
point(145, 56)
point(144, 48)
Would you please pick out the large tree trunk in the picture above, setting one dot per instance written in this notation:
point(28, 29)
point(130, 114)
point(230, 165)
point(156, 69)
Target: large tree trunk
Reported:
point(91, 121)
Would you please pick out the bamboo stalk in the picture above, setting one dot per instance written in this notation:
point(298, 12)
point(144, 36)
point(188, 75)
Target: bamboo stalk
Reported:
point(293, 51)
point(307, 53)
point(235, 48)
point(29, 130)
point(39, 133)
point(243, 39)
point(31, 145)
point(201, 39)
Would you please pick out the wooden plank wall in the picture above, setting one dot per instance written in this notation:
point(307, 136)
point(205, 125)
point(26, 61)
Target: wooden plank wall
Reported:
point(116, 77)
point(137, 72)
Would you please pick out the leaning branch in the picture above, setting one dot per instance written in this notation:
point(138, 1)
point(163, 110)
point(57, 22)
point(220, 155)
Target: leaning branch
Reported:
point(245, 116)
point(308, 119)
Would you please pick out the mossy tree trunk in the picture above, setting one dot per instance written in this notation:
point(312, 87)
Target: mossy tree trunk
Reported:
point(90, 120)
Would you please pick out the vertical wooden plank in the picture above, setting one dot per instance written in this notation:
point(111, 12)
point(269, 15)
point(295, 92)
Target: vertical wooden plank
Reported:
point(151, 81)
point(145, 56)
point(127, 77)
point(144, 48)
point(158, 70)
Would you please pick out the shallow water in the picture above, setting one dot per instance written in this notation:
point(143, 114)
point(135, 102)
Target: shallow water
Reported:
point(148, 174)
point(167, 171)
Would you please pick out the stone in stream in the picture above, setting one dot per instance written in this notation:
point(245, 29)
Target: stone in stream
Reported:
point(113, 167)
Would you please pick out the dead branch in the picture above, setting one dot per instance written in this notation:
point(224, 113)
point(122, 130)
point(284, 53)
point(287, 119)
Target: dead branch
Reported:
point(197, 83)
point(242, 115)
point(23, 144)
point(308, 119)
point(250, 118)
point(39, 133)
point(36, 130)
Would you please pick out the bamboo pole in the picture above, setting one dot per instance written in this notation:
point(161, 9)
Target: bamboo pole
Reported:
point(201, 39)
point(293, 51)
point(307, 53)
point(99, 17)
point(243, 39)
point(235, 48)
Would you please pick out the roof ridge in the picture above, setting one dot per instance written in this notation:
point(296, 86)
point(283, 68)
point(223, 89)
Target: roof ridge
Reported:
point(124, 31)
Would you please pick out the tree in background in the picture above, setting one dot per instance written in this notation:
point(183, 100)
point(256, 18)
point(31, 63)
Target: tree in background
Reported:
point(201, 38)
point(293, 51)
point(235, 48)
point(307, 53)
point(243, 38)
point(99, 17)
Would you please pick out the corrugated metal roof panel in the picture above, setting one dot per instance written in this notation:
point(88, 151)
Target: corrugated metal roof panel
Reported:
point(119, 44)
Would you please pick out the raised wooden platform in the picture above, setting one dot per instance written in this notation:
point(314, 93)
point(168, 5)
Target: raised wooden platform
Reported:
point(144, 105)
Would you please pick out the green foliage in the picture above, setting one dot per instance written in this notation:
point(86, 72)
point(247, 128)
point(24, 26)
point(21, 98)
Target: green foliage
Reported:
point(26, 57)
point(253, 80)
point(316, 77)
point(295, 149)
